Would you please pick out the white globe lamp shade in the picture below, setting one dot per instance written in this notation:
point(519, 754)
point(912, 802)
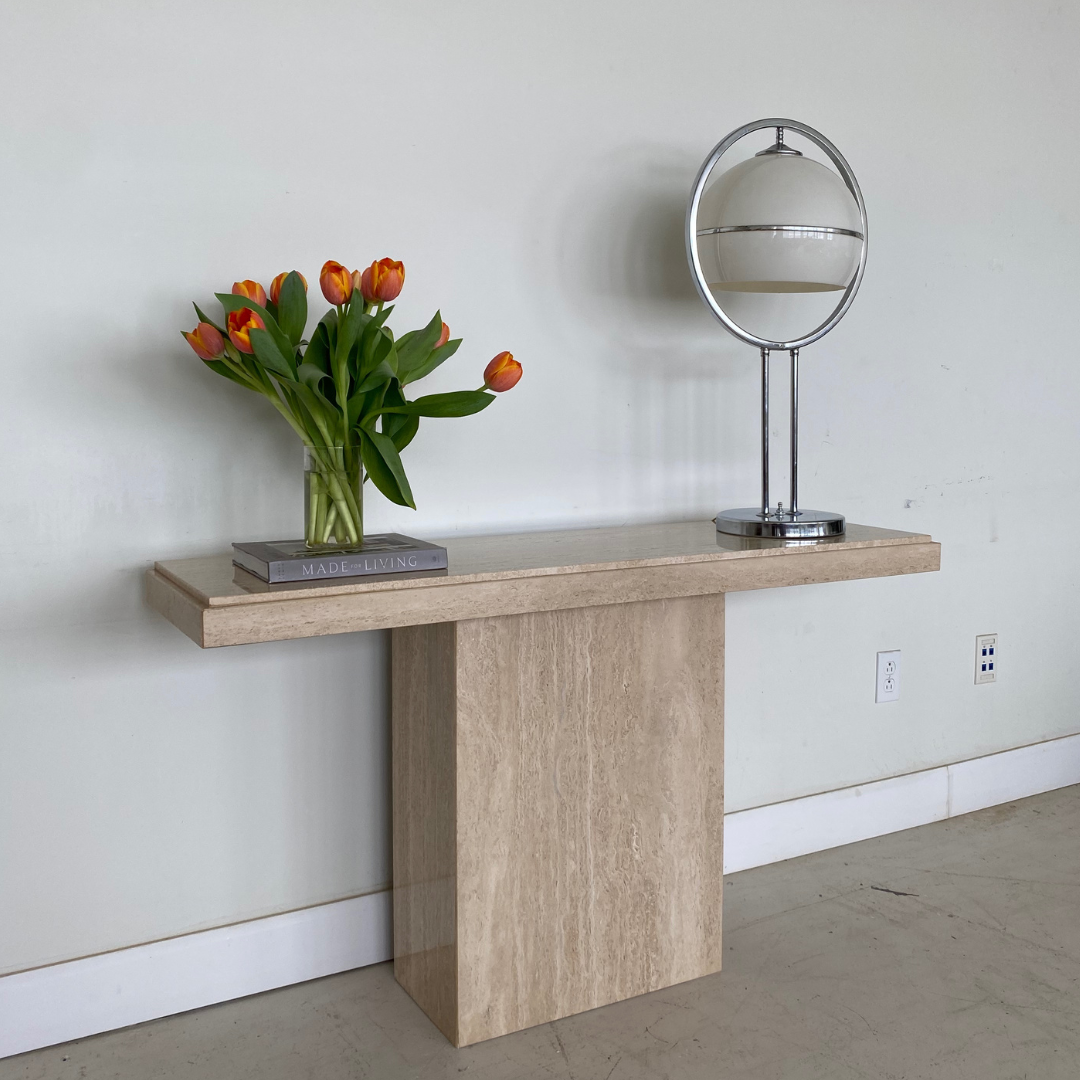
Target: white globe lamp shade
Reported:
point(779, 223)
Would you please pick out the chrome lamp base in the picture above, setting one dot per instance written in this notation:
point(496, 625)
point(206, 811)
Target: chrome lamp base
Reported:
point(780, 524)
point(762, 521)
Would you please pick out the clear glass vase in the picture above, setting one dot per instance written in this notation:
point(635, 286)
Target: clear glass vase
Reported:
point(333, 498)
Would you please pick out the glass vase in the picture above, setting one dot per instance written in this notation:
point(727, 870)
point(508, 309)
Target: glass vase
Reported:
point(333, 498)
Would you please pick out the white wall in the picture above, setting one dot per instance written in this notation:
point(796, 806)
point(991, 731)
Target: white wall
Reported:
point(529, 163)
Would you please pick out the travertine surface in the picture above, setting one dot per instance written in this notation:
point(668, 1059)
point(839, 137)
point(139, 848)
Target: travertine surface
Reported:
point(501, 575)
point(424, 705)
point(587, 821)
point(503, 557)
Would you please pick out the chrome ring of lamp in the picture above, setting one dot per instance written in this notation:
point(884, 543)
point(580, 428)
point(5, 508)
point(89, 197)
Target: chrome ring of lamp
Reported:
point(777, 223)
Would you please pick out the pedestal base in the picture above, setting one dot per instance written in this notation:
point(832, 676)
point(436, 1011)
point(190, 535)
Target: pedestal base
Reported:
point(780, 525)
point(558, 810)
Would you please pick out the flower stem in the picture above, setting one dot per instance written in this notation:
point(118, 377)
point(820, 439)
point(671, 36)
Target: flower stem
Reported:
point(328, 528)
point(313, 510)
point(334, 473)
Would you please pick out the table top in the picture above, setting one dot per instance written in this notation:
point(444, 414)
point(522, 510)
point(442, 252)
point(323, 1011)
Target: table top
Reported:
point(216, 604)
point(215, 581)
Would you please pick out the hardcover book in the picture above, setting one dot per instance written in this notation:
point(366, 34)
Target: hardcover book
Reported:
point(252, 584)
point(382, 553)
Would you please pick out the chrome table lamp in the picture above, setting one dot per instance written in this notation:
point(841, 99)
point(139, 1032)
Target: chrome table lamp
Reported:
point(768, 240)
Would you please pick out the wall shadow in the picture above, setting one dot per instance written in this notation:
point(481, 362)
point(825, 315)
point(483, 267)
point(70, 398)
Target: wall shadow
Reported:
point(615, 244)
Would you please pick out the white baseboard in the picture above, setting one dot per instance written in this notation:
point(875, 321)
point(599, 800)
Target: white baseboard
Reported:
point(71, 1000)
point(785, 830)
point(68, 1001)
point(1013, 774)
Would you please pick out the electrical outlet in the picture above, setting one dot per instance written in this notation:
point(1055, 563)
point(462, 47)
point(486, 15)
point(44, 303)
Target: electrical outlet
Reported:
point(986, 648)
point(888, 676)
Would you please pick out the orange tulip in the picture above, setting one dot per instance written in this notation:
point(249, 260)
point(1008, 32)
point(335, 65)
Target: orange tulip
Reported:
point(336, 282)
point(502, 373)
point(356, 278)
point(275, 285)
point(240, 324)
point(206, 341)
point(382, 280)
point(444, 337)
point(250, 290)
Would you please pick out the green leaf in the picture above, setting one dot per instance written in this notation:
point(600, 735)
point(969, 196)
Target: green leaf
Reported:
point(380, 375)
point(458, 403)
point(203, 318)
point(401, 429)
point(374, 344)
point(403, 341)
point(444, 352)
point(414, 348)
point(269, 355)
point(298, 405)
point(383, 465)
point(349, 328)
point(373, 320)
point(378, 350)
point(374, 403)
point(330, 321)
point(321, 408)
point(318, 350)
point(292, 307)
point(224, 369)
point(392, 356)
point(357, 349)
point(360, 404)
point(311, 375)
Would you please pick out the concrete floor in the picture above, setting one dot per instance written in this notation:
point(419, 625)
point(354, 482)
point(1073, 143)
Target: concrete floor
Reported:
point(946, 952)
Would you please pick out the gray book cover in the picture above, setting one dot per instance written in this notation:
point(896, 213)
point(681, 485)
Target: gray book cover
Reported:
point(382, 553)
point(249, 582)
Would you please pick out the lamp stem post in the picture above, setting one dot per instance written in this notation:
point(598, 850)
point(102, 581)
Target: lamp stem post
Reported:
point(794, 432)
point(765, 433)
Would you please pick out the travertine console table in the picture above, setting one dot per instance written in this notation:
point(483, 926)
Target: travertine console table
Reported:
point(557, 748)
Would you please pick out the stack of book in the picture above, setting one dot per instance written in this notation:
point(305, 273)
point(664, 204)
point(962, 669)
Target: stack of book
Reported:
point(282, 561)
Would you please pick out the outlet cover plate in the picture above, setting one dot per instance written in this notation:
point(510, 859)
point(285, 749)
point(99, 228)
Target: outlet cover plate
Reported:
point(986, 650)
point(888, 676)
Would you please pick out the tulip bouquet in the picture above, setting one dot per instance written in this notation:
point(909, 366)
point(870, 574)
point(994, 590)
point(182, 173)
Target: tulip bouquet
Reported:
point(342, 392)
